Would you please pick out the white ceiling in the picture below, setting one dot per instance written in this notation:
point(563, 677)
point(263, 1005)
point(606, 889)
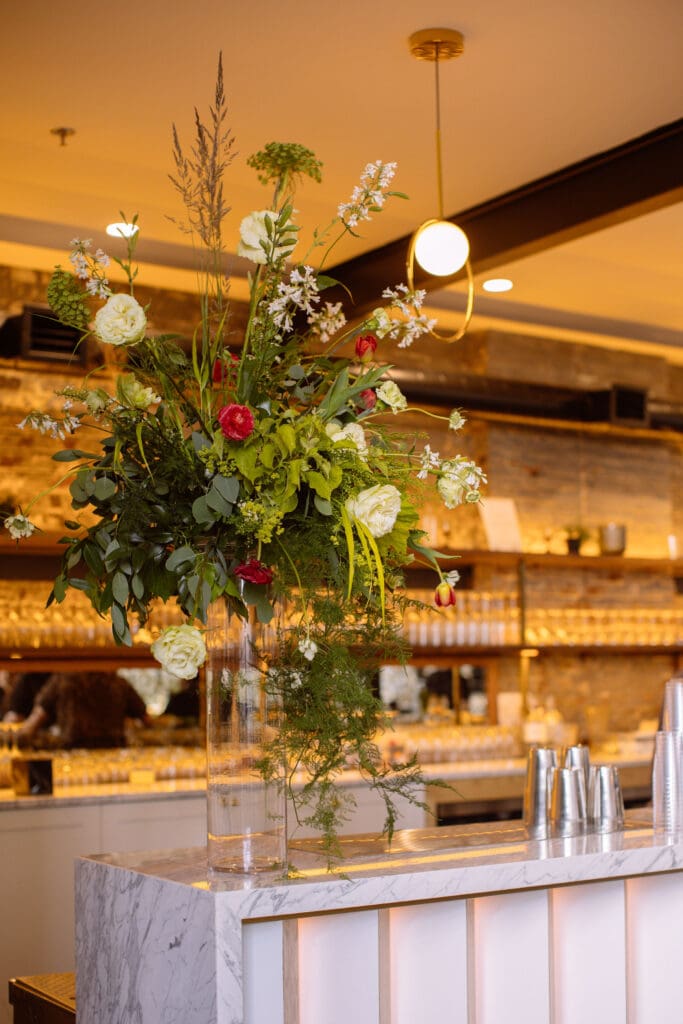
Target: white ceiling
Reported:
point(540, 86)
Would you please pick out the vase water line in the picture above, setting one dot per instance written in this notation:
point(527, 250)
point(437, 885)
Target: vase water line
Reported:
point(246, 815)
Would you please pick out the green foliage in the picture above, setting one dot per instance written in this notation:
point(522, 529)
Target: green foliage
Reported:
point(285, 161)
point(68, 301)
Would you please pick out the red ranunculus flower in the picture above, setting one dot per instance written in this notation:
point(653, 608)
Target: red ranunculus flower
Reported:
point(236, 421)
point(444, 595)
point(367, 399)
point(254, 571)
point(366, 345)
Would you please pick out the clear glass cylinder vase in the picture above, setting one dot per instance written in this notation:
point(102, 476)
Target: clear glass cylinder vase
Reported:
point(246, 813)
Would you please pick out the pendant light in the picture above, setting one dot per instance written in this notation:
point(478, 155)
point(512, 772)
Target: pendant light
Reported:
point(439, 246)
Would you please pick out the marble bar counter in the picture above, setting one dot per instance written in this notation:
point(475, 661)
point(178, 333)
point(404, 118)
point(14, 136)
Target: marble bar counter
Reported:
point(470, 925)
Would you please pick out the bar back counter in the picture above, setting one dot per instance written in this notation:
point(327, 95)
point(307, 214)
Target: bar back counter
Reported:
point(470, 925)
point(41, 836)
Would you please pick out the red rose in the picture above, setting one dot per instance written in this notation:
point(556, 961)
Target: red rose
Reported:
point(366, 345)
point(444, 595)
point(367, 399)
point(254, 571)
point(237, 421)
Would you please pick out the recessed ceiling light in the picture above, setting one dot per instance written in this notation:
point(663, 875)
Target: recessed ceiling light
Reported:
point(121, 229)
point(497, 284)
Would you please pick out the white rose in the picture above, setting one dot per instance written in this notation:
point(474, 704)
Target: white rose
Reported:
point(391, 395)
point(253, 232)
point(120, 321)
point(376, 508)
point(180, 650)
point(352, 432)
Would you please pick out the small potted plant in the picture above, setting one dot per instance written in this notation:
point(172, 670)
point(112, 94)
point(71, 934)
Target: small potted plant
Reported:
point(575, 535)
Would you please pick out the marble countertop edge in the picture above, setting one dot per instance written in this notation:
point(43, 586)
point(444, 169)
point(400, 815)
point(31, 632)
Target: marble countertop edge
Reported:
point(439, 870)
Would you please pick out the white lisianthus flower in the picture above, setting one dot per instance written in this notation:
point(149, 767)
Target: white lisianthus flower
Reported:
point(180, 650)
point(134, 395)
point(391, 395)
point(253, 232)
point(19, 526)
point(352, 432)
point(120, 321)
point(377, 508)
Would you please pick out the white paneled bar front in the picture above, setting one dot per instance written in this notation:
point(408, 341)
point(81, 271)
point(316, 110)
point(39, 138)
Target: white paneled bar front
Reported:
point(584, 931)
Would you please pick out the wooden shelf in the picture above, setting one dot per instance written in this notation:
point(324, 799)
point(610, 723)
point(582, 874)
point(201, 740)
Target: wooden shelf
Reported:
point(75, 659)
point(46, 545)
point(604, 563)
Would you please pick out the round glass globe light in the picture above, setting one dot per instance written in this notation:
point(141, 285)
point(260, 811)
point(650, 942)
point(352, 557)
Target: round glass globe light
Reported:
point(441, 248)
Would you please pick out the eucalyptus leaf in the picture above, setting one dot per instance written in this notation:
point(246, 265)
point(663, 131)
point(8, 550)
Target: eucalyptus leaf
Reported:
point(72, 455)
point(217, 503)
point(120, 625)
point(201, 511)
point(199, 441)
point(104, 488)
point(228, 487)
point(93, 559)
point(119, 588)
point(181, 556)
point(323, 506)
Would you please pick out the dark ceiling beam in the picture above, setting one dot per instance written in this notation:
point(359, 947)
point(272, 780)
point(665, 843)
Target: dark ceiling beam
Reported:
point(636, 177)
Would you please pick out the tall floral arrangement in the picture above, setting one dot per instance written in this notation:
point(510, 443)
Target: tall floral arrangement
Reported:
point(257, 465)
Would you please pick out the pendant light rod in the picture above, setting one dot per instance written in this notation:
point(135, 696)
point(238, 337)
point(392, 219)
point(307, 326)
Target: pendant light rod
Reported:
point(438, 238)
point(439, 166)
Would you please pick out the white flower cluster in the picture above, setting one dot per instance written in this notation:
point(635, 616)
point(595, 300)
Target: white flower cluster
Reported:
point(460, 481)
point(369, 196)
point(90, 267)
point(19, 526)
point(428, 460)
point(327, 321)
point(300, 293)
point(308, 648)
point(46, 424)
point(413, 323)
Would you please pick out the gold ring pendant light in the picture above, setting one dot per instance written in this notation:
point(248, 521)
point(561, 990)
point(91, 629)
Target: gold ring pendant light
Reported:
point(439, 246)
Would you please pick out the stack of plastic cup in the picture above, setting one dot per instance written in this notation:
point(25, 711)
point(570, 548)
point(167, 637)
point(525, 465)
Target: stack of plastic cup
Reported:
point(667, 764)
